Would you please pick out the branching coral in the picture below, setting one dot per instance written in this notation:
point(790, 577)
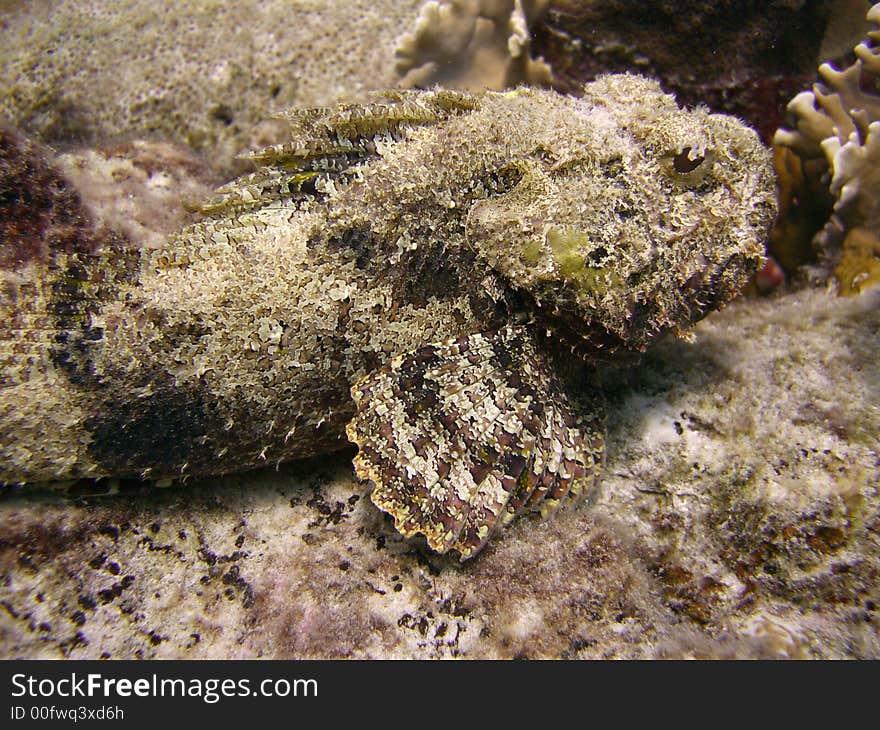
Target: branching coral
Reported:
point(836, 130)
point(472, 44)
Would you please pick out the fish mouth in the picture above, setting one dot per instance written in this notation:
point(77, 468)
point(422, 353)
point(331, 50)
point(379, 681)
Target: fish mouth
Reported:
point(710, 288)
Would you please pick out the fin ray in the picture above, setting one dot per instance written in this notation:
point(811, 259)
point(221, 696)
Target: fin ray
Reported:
point(460, 437)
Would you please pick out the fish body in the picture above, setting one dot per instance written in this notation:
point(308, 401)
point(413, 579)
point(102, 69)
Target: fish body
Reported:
point(429, 276)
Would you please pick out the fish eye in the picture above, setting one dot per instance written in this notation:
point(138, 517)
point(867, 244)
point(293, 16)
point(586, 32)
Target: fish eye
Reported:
point(683, 163)
point(688, 167)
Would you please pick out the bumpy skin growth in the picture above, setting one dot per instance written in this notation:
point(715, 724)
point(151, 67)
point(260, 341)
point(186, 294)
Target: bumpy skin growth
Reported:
point(453, 258)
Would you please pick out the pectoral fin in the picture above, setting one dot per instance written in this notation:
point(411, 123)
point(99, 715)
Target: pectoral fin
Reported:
point(458, 438)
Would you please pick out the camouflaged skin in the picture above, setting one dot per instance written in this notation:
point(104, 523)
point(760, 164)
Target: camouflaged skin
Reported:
point(593, 224)
point(460, 438)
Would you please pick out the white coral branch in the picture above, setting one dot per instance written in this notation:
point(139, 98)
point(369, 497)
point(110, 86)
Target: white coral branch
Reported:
point(856, 179)
point(839, 120)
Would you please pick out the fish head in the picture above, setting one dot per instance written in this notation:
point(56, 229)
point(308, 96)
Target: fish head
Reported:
point(635, 219)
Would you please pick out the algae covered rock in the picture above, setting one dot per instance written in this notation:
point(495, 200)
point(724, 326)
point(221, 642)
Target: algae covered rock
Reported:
point(40, 212)
point(737, 57)
point(85, 200)
point(201, 73)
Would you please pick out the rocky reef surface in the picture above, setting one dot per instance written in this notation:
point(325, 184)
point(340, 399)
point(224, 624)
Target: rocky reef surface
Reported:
point(127, 194)
point(739, 516)
point(738, 57)
point(200, 73)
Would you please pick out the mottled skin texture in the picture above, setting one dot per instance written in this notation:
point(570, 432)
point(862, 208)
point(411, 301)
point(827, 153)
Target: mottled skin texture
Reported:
point(564, 230)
